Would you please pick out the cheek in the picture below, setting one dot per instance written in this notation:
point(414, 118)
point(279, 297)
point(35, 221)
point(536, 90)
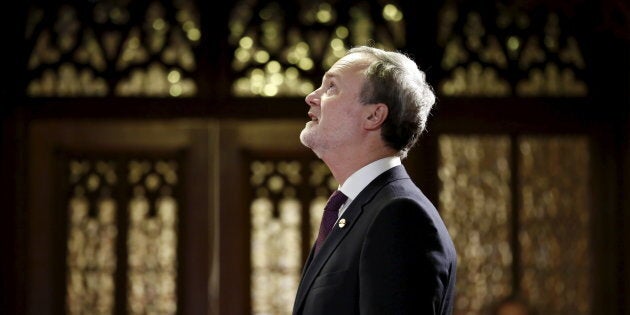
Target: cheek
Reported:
point(337, 117)
point(353, 115)
point(341, 113)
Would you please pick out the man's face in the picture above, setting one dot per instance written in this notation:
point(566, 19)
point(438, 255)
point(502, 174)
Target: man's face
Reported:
point(335, 107)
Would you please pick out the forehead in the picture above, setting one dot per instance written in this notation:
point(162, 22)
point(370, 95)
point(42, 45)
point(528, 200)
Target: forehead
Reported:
point(354, 63)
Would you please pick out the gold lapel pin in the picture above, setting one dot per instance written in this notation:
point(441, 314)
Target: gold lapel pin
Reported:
point(342, 223)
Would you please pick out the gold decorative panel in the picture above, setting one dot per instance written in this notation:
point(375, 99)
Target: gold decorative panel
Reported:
point(509, 50)
point(92, 235)
point(475, 197)
point(152, 238)
point(553, 215)
point(286, 192)
point(122, 204)
point(276, 236)
point(278, 48)
point(554, 224)
point(118, 48)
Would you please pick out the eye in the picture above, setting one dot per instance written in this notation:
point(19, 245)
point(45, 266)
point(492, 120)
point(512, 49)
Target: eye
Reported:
point(330, 87)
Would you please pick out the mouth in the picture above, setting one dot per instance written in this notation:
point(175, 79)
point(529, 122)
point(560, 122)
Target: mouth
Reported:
point(313, 117)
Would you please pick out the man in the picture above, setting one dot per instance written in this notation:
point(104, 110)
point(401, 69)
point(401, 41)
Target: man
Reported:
point(389, 251)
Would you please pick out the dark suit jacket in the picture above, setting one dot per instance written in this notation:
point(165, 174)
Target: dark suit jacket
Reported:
point(393, 256)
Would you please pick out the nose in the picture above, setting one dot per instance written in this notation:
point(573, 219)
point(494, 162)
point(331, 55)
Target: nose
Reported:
point(312, 99)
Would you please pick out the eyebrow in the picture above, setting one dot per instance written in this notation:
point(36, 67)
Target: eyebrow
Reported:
point(330, 75)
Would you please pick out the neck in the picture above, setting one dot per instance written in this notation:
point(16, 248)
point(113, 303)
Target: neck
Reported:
point(344, 164)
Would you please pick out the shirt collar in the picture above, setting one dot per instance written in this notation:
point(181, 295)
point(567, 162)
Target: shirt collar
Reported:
point(365, 175)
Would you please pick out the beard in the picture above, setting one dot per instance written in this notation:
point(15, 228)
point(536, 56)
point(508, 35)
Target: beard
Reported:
point(321, 140)
point(307, 135)
point(311, 138)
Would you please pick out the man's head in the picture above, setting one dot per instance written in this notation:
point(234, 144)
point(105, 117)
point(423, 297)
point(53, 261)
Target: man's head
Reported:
point(369, 97)
point(395, 80)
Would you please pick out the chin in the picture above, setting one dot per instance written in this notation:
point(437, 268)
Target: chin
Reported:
point(304, 137)
point(308, 140)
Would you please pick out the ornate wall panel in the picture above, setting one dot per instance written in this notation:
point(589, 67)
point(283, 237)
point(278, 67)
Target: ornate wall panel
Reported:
point(107, 197)
point(286, 208)
point(500, 50)
point(276, 235)
point(475, 205)
point(280, 46)
point(104, 230)
point(555, 224)
point(92, 237)
point(119, 48)
point(540, 251)
point(152, 237)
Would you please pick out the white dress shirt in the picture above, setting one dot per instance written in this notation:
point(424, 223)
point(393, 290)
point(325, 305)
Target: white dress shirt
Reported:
point(365, 175)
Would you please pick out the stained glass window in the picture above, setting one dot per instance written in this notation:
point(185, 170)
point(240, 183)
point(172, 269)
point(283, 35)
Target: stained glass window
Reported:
point(120, 48)
point(102, 194)
point(277, 228)
point(554, 221)
point(278, 47)
point(507, 51)
point(553, 215)
point(152, 238)
point(475, 205)
point(92, 236)
point(276, 236)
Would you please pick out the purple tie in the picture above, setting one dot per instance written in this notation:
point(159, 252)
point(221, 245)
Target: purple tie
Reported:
point(331, 213)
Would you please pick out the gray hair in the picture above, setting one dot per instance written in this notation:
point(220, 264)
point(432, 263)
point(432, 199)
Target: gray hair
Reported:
point(395, 80)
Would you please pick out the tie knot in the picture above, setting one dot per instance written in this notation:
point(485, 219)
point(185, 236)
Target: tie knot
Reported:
point(335, 201)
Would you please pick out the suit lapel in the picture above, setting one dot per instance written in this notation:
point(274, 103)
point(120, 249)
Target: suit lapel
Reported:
point(308, 260)
point(315, 263)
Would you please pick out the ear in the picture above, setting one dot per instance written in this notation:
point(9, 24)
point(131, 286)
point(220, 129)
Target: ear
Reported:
point(375, 115)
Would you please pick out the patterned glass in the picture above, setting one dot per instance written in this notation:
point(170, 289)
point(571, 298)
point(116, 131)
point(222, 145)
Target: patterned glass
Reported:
point(286, 192)
point(152, 238)
point(475, 204)
point(508, 50)
point(279, 48)
point(104, 48)
point(92, 234)
point(554, 221)
point(100, 190)
point(276, 235)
